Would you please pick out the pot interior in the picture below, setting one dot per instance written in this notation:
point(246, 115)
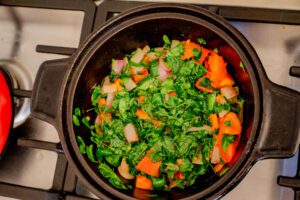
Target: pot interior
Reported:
point(150, 32)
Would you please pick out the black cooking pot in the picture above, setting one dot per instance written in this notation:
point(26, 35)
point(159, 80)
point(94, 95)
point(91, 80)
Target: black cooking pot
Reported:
point(271, 115)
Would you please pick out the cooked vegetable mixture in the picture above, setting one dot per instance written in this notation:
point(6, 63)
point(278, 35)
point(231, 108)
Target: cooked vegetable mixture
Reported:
point(165, 116)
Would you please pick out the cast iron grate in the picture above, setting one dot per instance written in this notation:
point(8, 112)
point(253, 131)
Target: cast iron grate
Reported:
point(64, 183)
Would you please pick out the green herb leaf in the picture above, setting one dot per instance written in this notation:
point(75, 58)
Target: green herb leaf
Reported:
point(85, 122)
point(201, 41)
point(227, 123)
point(205, 82)
point(224, 171)
point(177, 51)
point(159, 183)
point(158, 54)
point(81, 144)
point(112, 177)
point(136, 153)
point(186, 165)
point(216, 50)
point(95, 95)
point(76, 120)
point(166, 40)
point(89, 152)
point(77, 112)
point(197, 54)
point(113, 160)
point(211, 101)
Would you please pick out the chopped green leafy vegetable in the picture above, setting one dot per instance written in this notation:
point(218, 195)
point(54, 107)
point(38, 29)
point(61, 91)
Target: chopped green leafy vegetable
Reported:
point(85, 122)
point(197, 54)
point(76, 120)
point(201, 41)
point(216, 50)
point(166, 40)
point(112, 177)
point(81, 144)
point(77, 112)
point(89, 152)
point(158, 115)
point(227, 123)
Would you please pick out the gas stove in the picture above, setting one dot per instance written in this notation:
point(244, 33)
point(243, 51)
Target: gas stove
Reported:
point(33, 31)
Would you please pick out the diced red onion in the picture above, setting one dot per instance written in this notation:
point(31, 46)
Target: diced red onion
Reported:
point(138, 70)
point(125, 61)
point(204, 127)
point(118, 66)
point(163, 70)
point(111, 88)
point(194, 129)
point(109, 99)
point(167, 97)
point(130, 133)
point(228, 92)
point(98, 120)
point(130, 84)
point(106, 81)
point(223, 113)
point(124, 170)
point(138, 56)
point(174, 43)
point(146, 49)
point(215, 157)
point(150, 57)
point(159, 49)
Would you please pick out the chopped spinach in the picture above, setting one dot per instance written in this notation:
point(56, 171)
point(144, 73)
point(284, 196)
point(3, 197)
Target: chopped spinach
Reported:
point(201, 41)
point(76, 120)
point(169, 114)
point(112, 177)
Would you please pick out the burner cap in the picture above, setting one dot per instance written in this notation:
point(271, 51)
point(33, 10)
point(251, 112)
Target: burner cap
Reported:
point(6, 110)
point(20, 79)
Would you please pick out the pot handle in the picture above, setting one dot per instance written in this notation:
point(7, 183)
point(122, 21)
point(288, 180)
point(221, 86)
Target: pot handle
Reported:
point(280, 134)
point(47, 90)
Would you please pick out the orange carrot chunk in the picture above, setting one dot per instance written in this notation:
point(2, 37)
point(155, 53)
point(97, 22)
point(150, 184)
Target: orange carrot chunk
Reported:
point(172, 93)
point(141, 99)
point(188, 51)
point(218, 72)
point(102, 102)
point(179, 175)
point(149, 167)
point(141, 114)
point(105, 115)
point(143, 182)
point(230, 124)
point(138, 73)
point(117, 83)
point(218, 167)
point(213, 118)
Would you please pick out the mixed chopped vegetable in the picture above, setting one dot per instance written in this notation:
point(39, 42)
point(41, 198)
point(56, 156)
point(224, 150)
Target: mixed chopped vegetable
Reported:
point(165, 116)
